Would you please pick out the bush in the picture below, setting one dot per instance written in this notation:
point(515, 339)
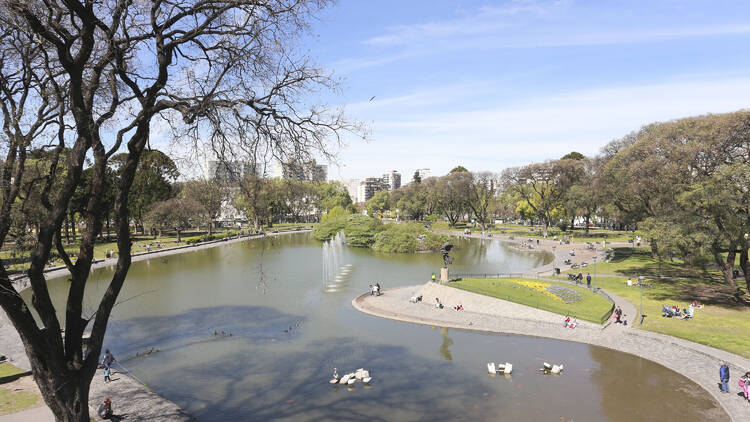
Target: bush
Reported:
point(360, 229)
point(408, 238)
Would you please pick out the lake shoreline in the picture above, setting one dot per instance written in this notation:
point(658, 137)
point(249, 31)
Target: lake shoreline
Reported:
point(698, 362)
point(129, 396)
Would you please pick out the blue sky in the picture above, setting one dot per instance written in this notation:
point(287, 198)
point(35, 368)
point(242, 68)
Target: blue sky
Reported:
point(490, 85)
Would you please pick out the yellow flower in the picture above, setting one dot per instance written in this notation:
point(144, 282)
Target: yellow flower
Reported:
point(539, 287)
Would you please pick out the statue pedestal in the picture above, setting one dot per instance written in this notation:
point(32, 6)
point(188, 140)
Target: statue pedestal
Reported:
point(444, 275)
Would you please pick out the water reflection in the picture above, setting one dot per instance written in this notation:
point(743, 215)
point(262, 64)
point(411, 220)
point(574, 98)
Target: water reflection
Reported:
point(447, 342)
point(287, 338)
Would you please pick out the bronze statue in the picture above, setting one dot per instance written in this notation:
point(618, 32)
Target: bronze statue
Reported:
point(447, 260)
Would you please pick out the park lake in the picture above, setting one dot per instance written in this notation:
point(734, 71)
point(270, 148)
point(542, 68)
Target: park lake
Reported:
point(287, 304)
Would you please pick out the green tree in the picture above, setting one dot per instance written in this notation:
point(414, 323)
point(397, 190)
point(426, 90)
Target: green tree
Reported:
point(175, 214)
point(379, 203)
point(543, 186)
point(210, 194)
point(416, 178)
point(458, 169)
point(451, 195)
point(152, 182)
point(481, 195)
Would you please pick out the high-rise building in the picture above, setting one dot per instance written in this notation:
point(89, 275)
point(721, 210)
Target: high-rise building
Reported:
point(423, 173)
point(310, 171)
point(352, 186)
point(232, 171)
point(368, 188)
point(392, 179)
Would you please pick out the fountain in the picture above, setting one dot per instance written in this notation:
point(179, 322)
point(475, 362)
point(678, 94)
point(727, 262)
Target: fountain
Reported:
point(334, 273)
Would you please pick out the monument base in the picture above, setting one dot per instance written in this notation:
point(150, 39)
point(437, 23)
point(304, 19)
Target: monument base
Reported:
point(444, 275)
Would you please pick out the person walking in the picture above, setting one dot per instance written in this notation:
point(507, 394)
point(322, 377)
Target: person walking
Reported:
point(745, 381)
point(618, 315)
point(724, 377)
point(588, 280)
point(106, 375)
point(108, 359)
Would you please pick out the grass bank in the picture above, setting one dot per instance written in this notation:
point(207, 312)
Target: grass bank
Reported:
point(560, 298)
point(17, 263)
point(13, 397)
point(534, 232)
point(722, 323)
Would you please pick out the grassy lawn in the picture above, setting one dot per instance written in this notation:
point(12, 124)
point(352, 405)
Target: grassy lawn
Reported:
point(14, 401)
point(588, 306)
point(638, 261)
point(594, 235)
point(721, 323)
point(139, 244)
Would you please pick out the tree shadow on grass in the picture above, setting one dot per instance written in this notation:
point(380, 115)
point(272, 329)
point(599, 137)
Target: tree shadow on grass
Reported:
point(708, 294)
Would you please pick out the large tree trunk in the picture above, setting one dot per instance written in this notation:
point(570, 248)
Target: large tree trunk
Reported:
point(745, 266)
point(210, 227)
point(179, 235)
point(545, 227)
point(73, 224)
point(726, 266)
point(71, 394)
point(587, 222)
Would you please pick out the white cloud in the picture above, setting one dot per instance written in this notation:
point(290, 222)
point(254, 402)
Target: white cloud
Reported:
point(411, 133)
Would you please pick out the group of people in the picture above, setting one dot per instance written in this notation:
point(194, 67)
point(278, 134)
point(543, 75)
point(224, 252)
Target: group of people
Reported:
point(439, 305)
point(619, 316)
point(744, 381)
point(375, 289)
point(570, 323)
point(675, 311)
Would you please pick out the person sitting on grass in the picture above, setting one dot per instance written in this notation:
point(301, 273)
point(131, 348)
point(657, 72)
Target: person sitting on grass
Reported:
point(688, 313)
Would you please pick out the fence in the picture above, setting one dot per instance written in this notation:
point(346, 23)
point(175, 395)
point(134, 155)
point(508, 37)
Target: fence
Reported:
point(539, 276)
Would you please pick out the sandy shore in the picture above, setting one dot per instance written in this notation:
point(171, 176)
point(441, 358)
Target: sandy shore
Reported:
point(129, 397)
point(482, 313)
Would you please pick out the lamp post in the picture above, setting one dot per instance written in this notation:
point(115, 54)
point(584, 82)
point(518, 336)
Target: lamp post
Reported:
point(640, 283)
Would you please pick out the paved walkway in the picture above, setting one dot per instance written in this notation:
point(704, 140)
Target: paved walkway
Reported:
point(37, 414)
point(698, 362)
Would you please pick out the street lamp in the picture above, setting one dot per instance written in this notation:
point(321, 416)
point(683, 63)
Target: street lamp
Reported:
point(641, 279)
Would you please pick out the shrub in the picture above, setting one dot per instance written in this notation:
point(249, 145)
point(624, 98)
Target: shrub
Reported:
point(360, 229)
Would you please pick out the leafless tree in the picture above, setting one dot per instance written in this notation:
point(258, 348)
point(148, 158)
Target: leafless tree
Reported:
point(85, 80)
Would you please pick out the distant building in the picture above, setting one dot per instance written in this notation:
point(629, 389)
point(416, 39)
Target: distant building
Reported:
point(370, 186)
point(352, 186)
point(392, 179)
point(310, 171)
point(232, 171)
point(423, 173)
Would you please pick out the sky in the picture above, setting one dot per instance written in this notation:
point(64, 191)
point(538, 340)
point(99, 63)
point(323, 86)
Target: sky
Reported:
point(491, 85)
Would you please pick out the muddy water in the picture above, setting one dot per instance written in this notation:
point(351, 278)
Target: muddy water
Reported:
point(290, 329)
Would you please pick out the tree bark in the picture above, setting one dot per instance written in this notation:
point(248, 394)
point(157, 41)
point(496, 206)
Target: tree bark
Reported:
point(745, 265)
point(73, 224)
point(726, 266)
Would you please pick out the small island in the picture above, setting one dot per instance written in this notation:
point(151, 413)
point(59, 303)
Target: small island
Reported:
point(367, 232)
